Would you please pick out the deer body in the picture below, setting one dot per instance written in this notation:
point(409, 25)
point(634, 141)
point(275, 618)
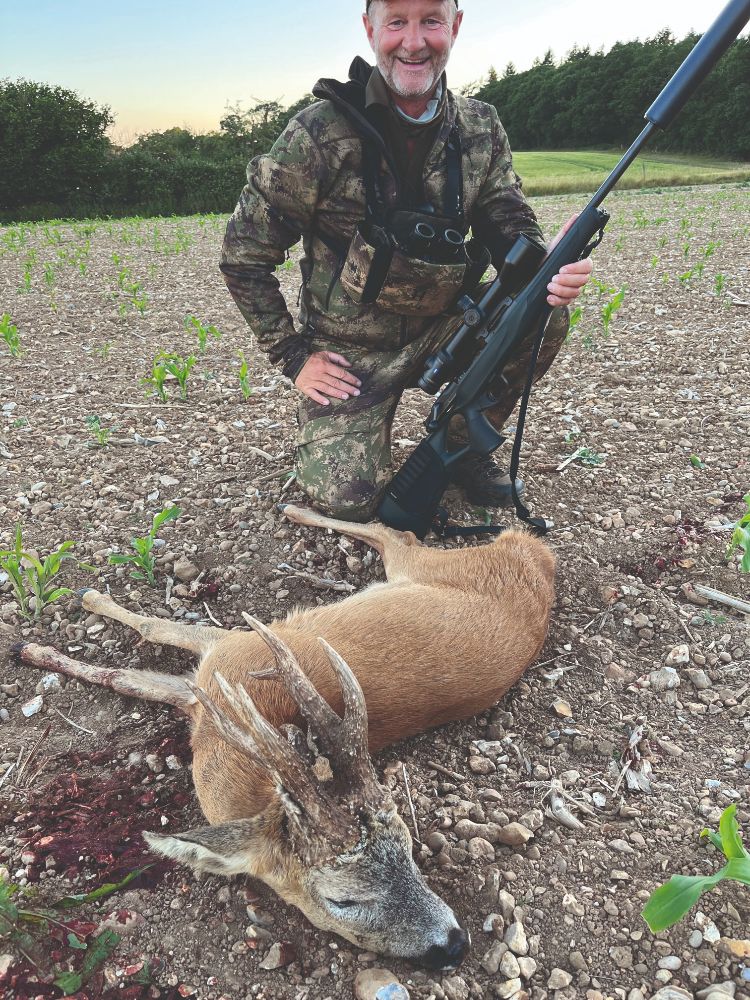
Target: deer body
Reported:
point(443, 639)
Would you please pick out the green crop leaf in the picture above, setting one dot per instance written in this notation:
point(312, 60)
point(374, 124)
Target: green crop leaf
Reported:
point(670, 902)
point(731, 841)
point(69, 982)
point(75, 942)
point(714, 838)
point(739, 869)
point(68, 902)
point(100, 950)
point(168, 514)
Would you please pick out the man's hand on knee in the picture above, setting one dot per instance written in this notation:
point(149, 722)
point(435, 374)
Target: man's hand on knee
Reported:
point(324, 375)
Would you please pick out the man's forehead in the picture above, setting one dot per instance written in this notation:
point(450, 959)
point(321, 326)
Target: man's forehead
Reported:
point(438, 4)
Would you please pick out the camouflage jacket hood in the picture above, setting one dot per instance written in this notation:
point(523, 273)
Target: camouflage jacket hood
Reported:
point(310, 185)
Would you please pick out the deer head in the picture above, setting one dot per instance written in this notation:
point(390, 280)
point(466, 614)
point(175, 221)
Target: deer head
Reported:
point(331, 842)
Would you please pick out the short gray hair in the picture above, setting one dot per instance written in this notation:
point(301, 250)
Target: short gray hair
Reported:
point(370, 2)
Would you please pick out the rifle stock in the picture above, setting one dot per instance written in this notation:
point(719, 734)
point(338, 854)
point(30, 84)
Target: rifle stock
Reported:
point(499, 322)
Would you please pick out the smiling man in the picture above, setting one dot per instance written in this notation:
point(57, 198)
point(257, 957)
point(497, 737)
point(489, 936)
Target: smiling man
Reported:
point(403, 193)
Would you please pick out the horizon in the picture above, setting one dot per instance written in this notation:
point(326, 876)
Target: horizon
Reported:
point(148, 78)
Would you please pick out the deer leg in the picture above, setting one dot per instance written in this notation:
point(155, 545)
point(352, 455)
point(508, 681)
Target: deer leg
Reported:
point(391, 544)
point(143, 684)
point(198, 639)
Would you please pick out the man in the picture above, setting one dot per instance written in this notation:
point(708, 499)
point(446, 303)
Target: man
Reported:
point(390, 147)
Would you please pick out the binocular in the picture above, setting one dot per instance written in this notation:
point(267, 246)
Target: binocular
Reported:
point(520, 264)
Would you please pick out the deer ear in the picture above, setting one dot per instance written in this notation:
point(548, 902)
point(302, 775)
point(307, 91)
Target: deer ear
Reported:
point(225, 849)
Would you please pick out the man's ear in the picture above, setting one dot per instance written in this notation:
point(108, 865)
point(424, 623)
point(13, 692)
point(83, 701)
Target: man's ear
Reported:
point(457, 23)
point(227, 849)
point(369, 29)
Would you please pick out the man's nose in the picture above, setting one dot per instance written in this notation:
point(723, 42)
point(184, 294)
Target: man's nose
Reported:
point(413, 38)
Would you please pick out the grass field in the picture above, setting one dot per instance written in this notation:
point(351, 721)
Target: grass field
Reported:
point(564, 172)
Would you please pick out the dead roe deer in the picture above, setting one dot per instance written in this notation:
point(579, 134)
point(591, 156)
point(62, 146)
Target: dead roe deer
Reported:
point(442, 639)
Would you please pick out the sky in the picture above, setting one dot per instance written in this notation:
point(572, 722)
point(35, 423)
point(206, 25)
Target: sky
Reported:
point(164, 63)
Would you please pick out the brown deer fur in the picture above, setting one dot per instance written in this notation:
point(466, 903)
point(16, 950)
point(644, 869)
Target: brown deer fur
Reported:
point(444, 638)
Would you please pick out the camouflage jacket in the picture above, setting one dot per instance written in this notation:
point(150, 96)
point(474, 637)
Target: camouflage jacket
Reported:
point(310, 185)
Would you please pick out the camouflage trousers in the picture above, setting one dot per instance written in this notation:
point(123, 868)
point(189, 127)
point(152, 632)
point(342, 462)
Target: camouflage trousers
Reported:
point(343, 457)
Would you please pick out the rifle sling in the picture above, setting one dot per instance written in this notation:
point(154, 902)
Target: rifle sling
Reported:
point(538, 525)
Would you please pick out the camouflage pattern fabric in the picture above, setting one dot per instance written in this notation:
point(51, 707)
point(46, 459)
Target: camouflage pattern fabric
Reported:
point(343, 459)
point(310, 185)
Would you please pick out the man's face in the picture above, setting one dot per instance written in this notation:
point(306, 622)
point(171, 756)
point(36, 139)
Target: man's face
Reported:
point(412, 40)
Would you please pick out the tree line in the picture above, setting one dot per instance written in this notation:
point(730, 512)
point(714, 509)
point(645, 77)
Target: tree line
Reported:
point(596, 100)
point(58, 161)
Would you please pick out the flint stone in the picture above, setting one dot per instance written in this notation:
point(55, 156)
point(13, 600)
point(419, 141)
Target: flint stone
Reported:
point(481, 848)
point(185, 570)
point(33, 706)
point(724, 989)
point(515, 834)
point(527, 966)
point(370, 981)
point(509, 989)
point(509, 966)
point(698, 678)
point(678, 656)
point(670, 962)
point(559, 979)
point(280, 954)
point(736, 948)
point(395, 991)
point(672, 993)
point(50, 682)
point(491, 959)
point(515, 938)
point(664, 679)
point(532, 820)
point(454, 988)
point(506, 903)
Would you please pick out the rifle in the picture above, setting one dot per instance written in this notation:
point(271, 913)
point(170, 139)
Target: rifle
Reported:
point(513, 306)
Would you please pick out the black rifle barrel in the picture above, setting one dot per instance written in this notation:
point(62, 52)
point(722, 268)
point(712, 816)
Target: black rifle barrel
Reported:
point(699, 62)
point(687, 78)
point(412, 497)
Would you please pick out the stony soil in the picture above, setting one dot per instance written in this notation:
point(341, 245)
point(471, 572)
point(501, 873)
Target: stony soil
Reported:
point(662, 401)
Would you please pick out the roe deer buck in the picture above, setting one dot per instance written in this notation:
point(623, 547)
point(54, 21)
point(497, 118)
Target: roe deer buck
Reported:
point(442, 639)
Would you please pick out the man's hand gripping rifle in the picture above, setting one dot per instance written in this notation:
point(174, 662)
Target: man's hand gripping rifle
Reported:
point(513, 308)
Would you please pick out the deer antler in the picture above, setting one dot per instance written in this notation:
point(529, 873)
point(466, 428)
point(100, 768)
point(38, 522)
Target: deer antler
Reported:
point(321, 826)
point(344, 741)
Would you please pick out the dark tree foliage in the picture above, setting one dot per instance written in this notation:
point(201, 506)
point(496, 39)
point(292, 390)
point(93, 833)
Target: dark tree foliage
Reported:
point(597, 100)
point(57, 160)
point(53, 146)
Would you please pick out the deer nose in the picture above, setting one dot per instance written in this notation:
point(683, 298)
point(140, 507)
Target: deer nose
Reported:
point(450, 955)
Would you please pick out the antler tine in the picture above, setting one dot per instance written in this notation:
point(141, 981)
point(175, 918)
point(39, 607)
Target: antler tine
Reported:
point(352, 754)
point(262, 743)
point(313, 706)
point(227, 729)
point(355, 708)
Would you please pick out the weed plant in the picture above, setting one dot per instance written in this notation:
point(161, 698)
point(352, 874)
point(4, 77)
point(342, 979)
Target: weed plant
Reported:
point(100, 433)
point(244, 376)
point(670, 902)
point(31, 577)
point(9, 333)
point(142, 559)
point(31, 931)
point(741, 537)
point(192, 323)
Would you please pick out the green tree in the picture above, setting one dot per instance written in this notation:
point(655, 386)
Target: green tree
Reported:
point(53, 146)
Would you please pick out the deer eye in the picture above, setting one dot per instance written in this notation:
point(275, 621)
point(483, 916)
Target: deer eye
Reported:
point(342, 904)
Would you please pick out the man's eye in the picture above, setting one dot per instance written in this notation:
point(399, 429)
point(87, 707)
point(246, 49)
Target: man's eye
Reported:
point(395, 25)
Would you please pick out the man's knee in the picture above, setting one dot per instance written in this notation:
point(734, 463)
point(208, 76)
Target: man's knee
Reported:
point(339, 484)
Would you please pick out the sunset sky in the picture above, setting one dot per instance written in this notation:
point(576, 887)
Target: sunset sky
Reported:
point(163, 63)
